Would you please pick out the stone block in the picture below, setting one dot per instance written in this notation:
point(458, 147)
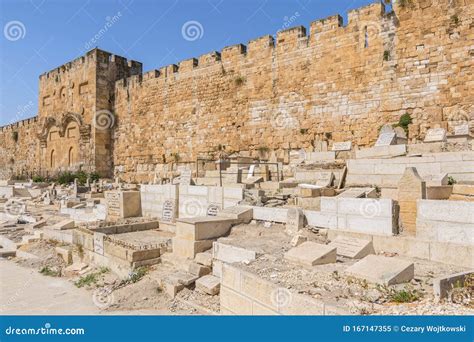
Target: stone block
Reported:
point(381, 152)
point(443, 211)
point(217, 268)
point(184, 248)
point(382, 270)
point(123, 204)
point(294, 220)
point(311, 254)
point(410, 189)
point(439, 192)
point(203, 228)
point(65, 253)
point(235, 302)
point(204, 258)
point(270, 214)
point(208, 284)
point(443, 285)
point(229, 254)
point(463, 189)
point(298, 240)
point(352, 248)
point(181, 277)
point(198, 270)
point(7, 253)
point(171, 288)
point(241, 214)
point(64, 224)
point(259, 290)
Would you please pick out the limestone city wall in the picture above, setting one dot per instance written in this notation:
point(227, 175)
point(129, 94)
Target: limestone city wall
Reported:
point(329, 83)
point(298, 89)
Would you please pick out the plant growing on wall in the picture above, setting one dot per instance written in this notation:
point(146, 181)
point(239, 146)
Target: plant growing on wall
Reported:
point(15, 136)
point(404, 121)
point(239, 80)
point(176, 157)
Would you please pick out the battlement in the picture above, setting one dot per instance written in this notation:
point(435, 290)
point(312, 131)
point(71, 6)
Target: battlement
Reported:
point(18, 124)
point(90, 60)
point(368, 17)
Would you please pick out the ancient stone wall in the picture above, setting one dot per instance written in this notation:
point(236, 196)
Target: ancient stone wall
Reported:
point(298, 90)
point(19, 148)
point(73, 128)
point(339, 83)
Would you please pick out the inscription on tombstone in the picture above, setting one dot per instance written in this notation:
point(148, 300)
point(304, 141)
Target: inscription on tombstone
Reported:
point(185, 178)
point(168, 211)
point(113, 203)
point(213, 209)
point(461, 129)
point(342, 146)
point(99, 243)
point(435, 135)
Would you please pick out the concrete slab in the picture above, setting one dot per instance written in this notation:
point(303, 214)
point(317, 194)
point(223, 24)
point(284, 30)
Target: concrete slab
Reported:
point(209, 284)
point(352, 248)
point(311, 253)
point(382, 270)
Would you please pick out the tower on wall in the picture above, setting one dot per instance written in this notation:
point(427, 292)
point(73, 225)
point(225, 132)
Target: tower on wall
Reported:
point(75, 112)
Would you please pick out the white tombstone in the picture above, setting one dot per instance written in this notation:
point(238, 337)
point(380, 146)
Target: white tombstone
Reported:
point(461, 129)
point(386, 139)
point(186, 177)
point(435, 135)
point(294, 220)
point(168, 214)
point(342, 146)
point(99, 243)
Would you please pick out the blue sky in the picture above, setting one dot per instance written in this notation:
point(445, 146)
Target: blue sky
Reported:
point(39, 35)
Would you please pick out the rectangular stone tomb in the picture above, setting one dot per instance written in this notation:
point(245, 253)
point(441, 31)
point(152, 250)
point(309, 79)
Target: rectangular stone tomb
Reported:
point(123, 204)
point(382, 270)
point(311, 254)
point(352, 248)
